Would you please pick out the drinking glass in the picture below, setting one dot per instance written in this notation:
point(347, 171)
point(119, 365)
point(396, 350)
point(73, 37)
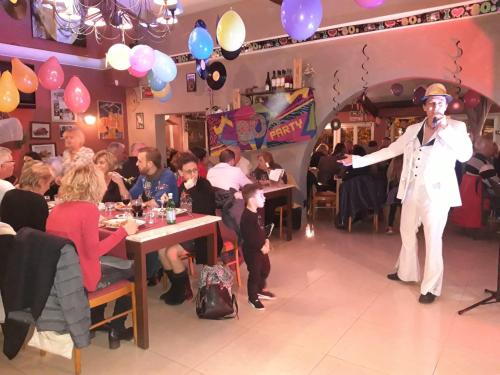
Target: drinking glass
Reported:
point(137, 207)
point(108, 207)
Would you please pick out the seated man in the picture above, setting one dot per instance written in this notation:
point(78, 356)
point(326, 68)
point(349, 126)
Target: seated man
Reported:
point(227, 179)
point(240, 161)
point(203, 202)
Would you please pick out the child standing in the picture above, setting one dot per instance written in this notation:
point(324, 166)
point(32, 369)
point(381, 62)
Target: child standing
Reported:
point(255, 246)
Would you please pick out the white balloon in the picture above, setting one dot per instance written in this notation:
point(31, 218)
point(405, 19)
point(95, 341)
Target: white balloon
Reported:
point(118, 56)
point(231, 31)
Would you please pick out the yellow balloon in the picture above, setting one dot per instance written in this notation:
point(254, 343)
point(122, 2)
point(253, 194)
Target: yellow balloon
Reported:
point(9, 95)
point(231, 31)
point(163, 92)
point(25, 78)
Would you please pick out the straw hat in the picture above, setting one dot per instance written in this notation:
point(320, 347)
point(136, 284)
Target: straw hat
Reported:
point(436, 89)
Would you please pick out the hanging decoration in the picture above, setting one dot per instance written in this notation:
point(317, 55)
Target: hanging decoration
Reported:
point(9, 95)
point(369, 3)
point(164, 67)
point(24, 77)
point(457, 104)
point(418, 94)
point(301, 18)
point(471, 99)
point(231, 31)
point(142, 58)
point(155, 83)
point(364, 76)
point(135, 73)
point(50, 74)
point(200, 43)
point(76, 95)
point(118, 56)
point(336, 91)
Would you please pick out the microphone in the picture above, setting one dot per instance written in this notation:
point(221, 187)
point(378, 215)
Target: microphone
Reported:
point(435, 121)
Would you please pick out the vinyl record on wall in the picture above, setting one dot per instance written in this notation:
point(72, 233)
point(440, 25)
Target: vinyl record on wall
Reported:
point(216, 75)
point(336, 124)
point(230, 55)
point(201, 68)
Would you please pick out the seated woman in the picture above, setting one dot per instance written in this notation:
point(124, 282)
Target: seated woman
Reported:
point(203, 202)
point(116, 191)
point(77, 218)
point(266, 163)
point(26, 206)
point(329, 167)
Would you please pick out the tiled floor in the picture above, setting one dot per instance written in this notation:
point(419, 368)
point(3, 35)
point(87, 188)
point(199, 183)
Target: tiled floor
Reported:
point(336, 314)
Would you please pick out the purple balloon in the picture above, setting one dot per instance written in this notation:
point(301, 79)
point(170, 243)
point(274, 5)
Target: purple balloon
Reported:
point(397, 89)
point(142, 58)
point(418, 94)
point(369, 3)
point(301, 18)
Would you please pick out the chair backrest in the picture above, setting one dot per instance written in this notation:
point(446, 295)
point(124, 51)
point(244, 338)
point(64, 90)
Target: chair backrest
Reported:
point(226, 233)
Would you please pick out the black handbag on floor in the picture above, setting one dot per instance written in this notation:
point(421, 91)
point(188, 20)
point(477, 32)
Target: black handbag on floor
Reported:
point(214, 299)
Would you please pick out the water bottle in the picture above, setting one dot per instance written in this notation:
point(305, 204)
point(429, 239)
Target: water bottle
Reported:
point(170, 209)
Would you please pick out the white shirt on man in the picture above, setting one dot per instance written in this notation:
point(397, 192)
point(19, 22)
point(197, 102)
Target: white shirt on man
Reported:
point(5, 186)
point(225, 177)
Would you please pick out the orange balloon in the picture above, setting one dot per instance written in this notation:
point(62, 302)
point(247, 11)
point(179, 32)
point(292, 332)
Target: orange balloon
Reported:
point(9, 95)
point(25, 78)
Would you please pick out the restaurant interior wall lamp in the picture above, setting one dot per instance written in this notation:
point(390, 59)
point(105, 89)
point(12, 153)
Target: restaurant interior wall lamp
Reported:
point(90, 119)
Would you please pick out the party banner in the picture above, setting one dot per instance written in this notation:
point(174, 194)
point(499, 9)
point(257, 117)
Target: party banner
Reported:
point(283, 118)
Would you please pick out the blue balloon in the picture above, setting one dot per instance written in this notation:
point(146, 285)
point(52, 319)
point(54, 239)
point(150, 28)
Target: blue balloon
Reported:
point(167, 97)
point(164, 67)
point(301, 18)
point(200, 43)
point(155, 83)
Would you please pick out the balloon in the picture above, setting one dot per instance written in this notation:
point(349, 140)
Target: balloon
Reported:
point(135, 73)
point(167, 97)
point(76, 95)
point(50, 74)
point(155, 83)
point(9, 95)
point(164, 67)
point(25, 79)
point(418, 94)
point(163, 92)
point(118, 56)
point(397, 89)
point(472, 99)
point(301, 18)
point(142, 58)
point(200, 43)
point(231, 31)
point(456, 106)
point(369, 3)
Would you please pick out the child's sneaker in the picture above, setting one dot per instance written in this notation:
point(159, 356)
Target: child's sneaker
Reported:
point(266, 294)
point(389, 230)
point(257, 304)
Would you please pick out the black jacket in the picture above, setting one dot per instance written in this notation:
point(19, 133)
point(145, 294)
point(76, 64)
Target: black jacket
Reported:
point(29, 276)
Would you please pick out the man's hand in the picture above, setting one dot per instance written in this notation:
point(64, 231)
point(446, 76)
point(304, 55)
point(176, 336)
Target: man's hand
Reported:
point(151, 203)
point(266, 248)
point(188, 184)
point(347, 161)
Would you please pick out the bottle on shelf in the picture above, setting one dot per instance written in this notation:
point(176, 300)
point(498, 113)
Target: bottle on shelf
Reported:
point(283, 78)
point(269, 84)
point(171, 210)
point(289, 79)
point(273, 81)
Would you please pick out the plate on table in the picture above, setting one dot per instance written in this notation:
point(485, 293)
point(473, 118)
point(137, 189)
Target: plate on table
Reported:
point(117, 223)
point(178, 211)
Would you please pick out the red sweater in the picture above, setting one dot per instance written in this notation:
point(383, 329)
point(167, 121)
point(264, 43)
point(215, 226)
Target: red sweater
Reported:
point(79, 221)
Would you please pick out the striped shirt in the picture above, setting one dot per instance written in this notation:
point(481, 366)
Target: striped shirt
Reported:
point(479, 165)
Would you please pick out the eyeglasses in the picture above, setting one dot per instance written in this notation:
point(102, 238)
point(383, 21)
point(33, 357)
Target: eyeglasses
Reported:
point(190, 171)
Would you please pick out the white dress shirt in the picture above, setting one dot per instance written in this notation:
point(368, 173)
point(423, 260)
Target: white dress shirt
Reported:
point(225, 176)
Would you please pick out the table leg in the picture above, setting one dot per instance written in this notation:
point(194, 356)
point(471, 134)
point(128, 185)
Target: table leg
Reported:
point(289, 214)
point(212, 246)
point(141, 295)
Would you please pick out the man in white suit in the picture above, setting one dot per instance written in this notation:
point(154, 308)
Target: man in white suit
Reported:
point(428, 187)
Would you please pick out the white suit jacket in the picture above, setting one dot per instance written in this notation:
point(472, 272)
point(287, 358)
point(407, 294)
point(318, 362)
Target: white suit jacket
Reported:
point(452, 143)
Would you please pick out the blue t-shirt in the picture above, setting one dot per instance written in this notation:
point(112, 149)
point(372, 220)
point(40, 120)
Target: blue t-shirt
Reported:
point(163, 182)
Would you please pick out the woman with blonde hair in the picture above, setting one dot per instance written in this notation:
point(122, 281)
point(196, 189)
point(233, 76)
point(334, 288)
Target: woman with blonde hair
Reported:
point(77, 218)
point(26, 206)
point(116, 191)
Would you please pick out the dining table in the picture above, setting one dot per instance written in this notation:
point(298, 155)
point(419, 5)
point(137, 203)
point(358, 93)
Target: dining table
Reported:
point(152, 236)
point(275, 190)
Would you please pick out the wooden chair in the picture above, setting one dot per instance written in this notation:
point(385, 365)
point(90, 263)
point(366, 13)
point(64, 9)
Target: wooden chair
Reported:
point(324, 199)
point(233, 246)
point(104, 296)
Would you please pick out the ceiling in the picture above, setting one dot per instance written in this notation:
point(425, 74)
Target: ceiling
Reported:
point(193, 6)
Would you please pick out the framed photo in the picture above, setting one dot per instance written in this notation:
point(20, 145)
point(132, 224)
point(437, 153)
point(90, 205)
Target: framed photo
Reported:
point(191, 82)
point(60, 112)
point(40, 130)
point(46, 150)
point(111, 122)
point(146, 92)
point(139, 120)
point(63, 128)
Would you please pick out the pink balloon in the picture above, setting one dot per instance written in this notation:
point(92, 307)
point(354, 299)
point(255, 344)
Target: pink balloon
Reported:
point(472, 99)
point(456, 106)
point(50, 74)
point(135, 73)
point(76, 95)
point(142, 58)
point(369, 3)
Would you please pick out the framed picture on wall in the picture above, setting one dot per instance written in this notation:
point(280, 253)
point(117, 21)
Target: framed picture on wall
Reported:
point(146, 92)
point(191, 82)
point(111, 122)
point(40, 130)
point(63, 128)
point(46, 150)
point(60, 112)
point(139, 120)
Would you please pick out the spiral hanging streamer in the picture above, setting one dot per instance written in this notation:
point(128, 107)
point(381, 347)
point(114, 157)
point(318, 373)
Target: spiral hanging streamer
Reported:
point(336, 91)
point(458, 68)
point(365, 70)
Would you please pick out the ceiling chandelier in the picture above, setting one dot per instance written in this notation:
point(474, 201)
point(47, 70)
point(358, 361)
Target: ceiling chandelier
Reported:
point(110, 19)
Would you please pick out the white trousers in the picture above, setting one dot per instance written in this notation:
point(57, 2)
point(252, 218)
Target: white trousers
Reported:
point(417, 208)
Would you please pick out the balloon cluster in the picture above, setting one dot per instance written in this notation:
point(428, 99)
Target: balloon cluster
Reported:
point(141, 61)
